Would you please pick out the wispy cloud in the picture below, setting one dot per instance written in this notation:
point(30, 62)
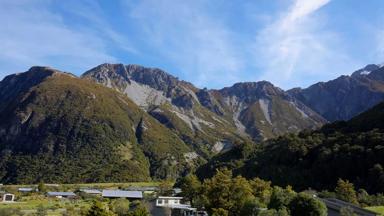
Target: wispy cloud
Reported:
point(378, 31)
point(295, 47)
point(185, 33)
point(32, 34)
point(210, 43)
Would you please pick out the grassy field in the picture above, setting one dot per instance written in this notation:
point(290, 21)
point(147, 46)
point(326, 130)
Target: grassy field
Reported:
point(51, 206)
point(98, 185)
point(377, 209)
point(29, 203)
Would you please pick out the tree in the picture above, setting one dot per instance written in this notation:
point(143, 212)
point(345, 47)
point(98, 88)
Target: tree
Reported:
point(280, 198)
point(165, 188)
point(219, 212)
point(227, 193)
point(217, 191)
point(140, 210)
point(261, 189)
point(274, 212)
point(363, 198)
point(191, 186)
point(376, 178)
point(346, 191)
point(41, 187)
point(241, 193)
point(251, 207)
point(98, 209)
point(304, 204)
point(120, 206)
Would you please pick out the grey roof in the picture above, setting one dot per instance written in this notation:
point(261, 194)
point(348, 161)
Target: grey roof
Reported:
point(91, 191)
point(337, 204)
point(170, 197)
point(135, 188)
point(64, 194)
point(122, 194)
point(26, 189)
point(177, 190)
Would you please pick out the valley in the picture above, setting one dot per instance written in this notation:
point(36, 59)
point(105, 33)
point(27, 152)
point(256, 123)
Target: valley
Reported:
point(129, 123)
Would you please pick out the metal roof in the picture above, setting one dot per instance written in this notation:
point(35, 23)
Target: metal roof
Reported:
point(136, 188)
point(91, 191)
point(177, 190)
point(170, 197)
point(337, 204)
point(61, 194)
point(26, 189)
point(122, 194)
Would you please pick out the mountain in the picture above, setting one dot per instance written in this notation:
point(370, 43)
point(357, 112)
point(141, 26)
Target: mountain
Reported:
point(346, 96)
point(211, 120)
point(264, 111)
point(351, 150)
point(173, 103)
point(132, 123)
point(56, 127)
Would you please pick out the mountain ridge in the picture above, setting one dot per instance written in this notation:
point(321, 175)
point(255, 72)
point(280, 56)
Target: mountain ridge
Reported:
point(345, 96)
point(150, 123)
point(183, 98)
point(59, 128)
point(350, 150)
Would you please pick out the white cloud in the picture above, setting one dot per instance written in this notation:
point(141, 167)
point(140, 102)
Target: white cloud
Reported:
point(303, 8)
point(185, 33)
point(295, 47)
point(32, 34)
point(379, 39)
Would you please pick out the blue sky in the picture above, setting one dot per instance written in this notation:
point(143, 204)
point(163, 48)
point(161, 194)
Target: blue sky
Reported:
point(211, 43)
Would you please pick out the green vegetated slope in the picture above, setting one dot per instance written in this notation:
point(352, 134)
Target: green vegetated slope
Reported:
point(208, 120)
point(58, 128)
point(174, 104)
point(352, 150)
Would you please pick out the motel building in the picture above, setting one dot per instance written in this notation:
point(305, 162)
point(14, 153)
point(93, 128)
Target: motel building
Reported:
point(175, 204)
point(7, 197)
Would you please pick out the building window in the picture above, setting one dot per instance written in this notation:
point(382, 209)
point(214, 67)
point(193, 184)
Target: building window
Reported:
point(160, 201)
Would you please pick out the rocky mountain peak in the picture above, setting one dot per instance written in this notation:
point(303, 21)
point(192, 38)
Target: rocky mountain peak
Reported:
point(366, 70)
point(112, 75)
point(154, 77)
point(15, 83)
point(345, 96)
point(253, 90)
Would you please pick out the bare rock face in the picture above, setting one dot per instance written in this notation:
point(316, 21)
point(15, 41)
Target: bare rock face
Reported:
point(52, 123)
point(257, 110)
point(208, 100)
point(173, 102)
point(346, 96)
point(264, 111)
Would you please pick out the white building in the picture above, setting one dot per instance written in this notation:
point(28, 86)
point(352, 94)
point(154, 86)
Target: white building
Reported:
point(164, 201)
point(7, 197)
point(175, 204)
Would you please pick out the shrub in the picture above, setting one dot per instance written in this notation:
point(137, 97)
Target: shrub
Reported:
point(304, 204)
